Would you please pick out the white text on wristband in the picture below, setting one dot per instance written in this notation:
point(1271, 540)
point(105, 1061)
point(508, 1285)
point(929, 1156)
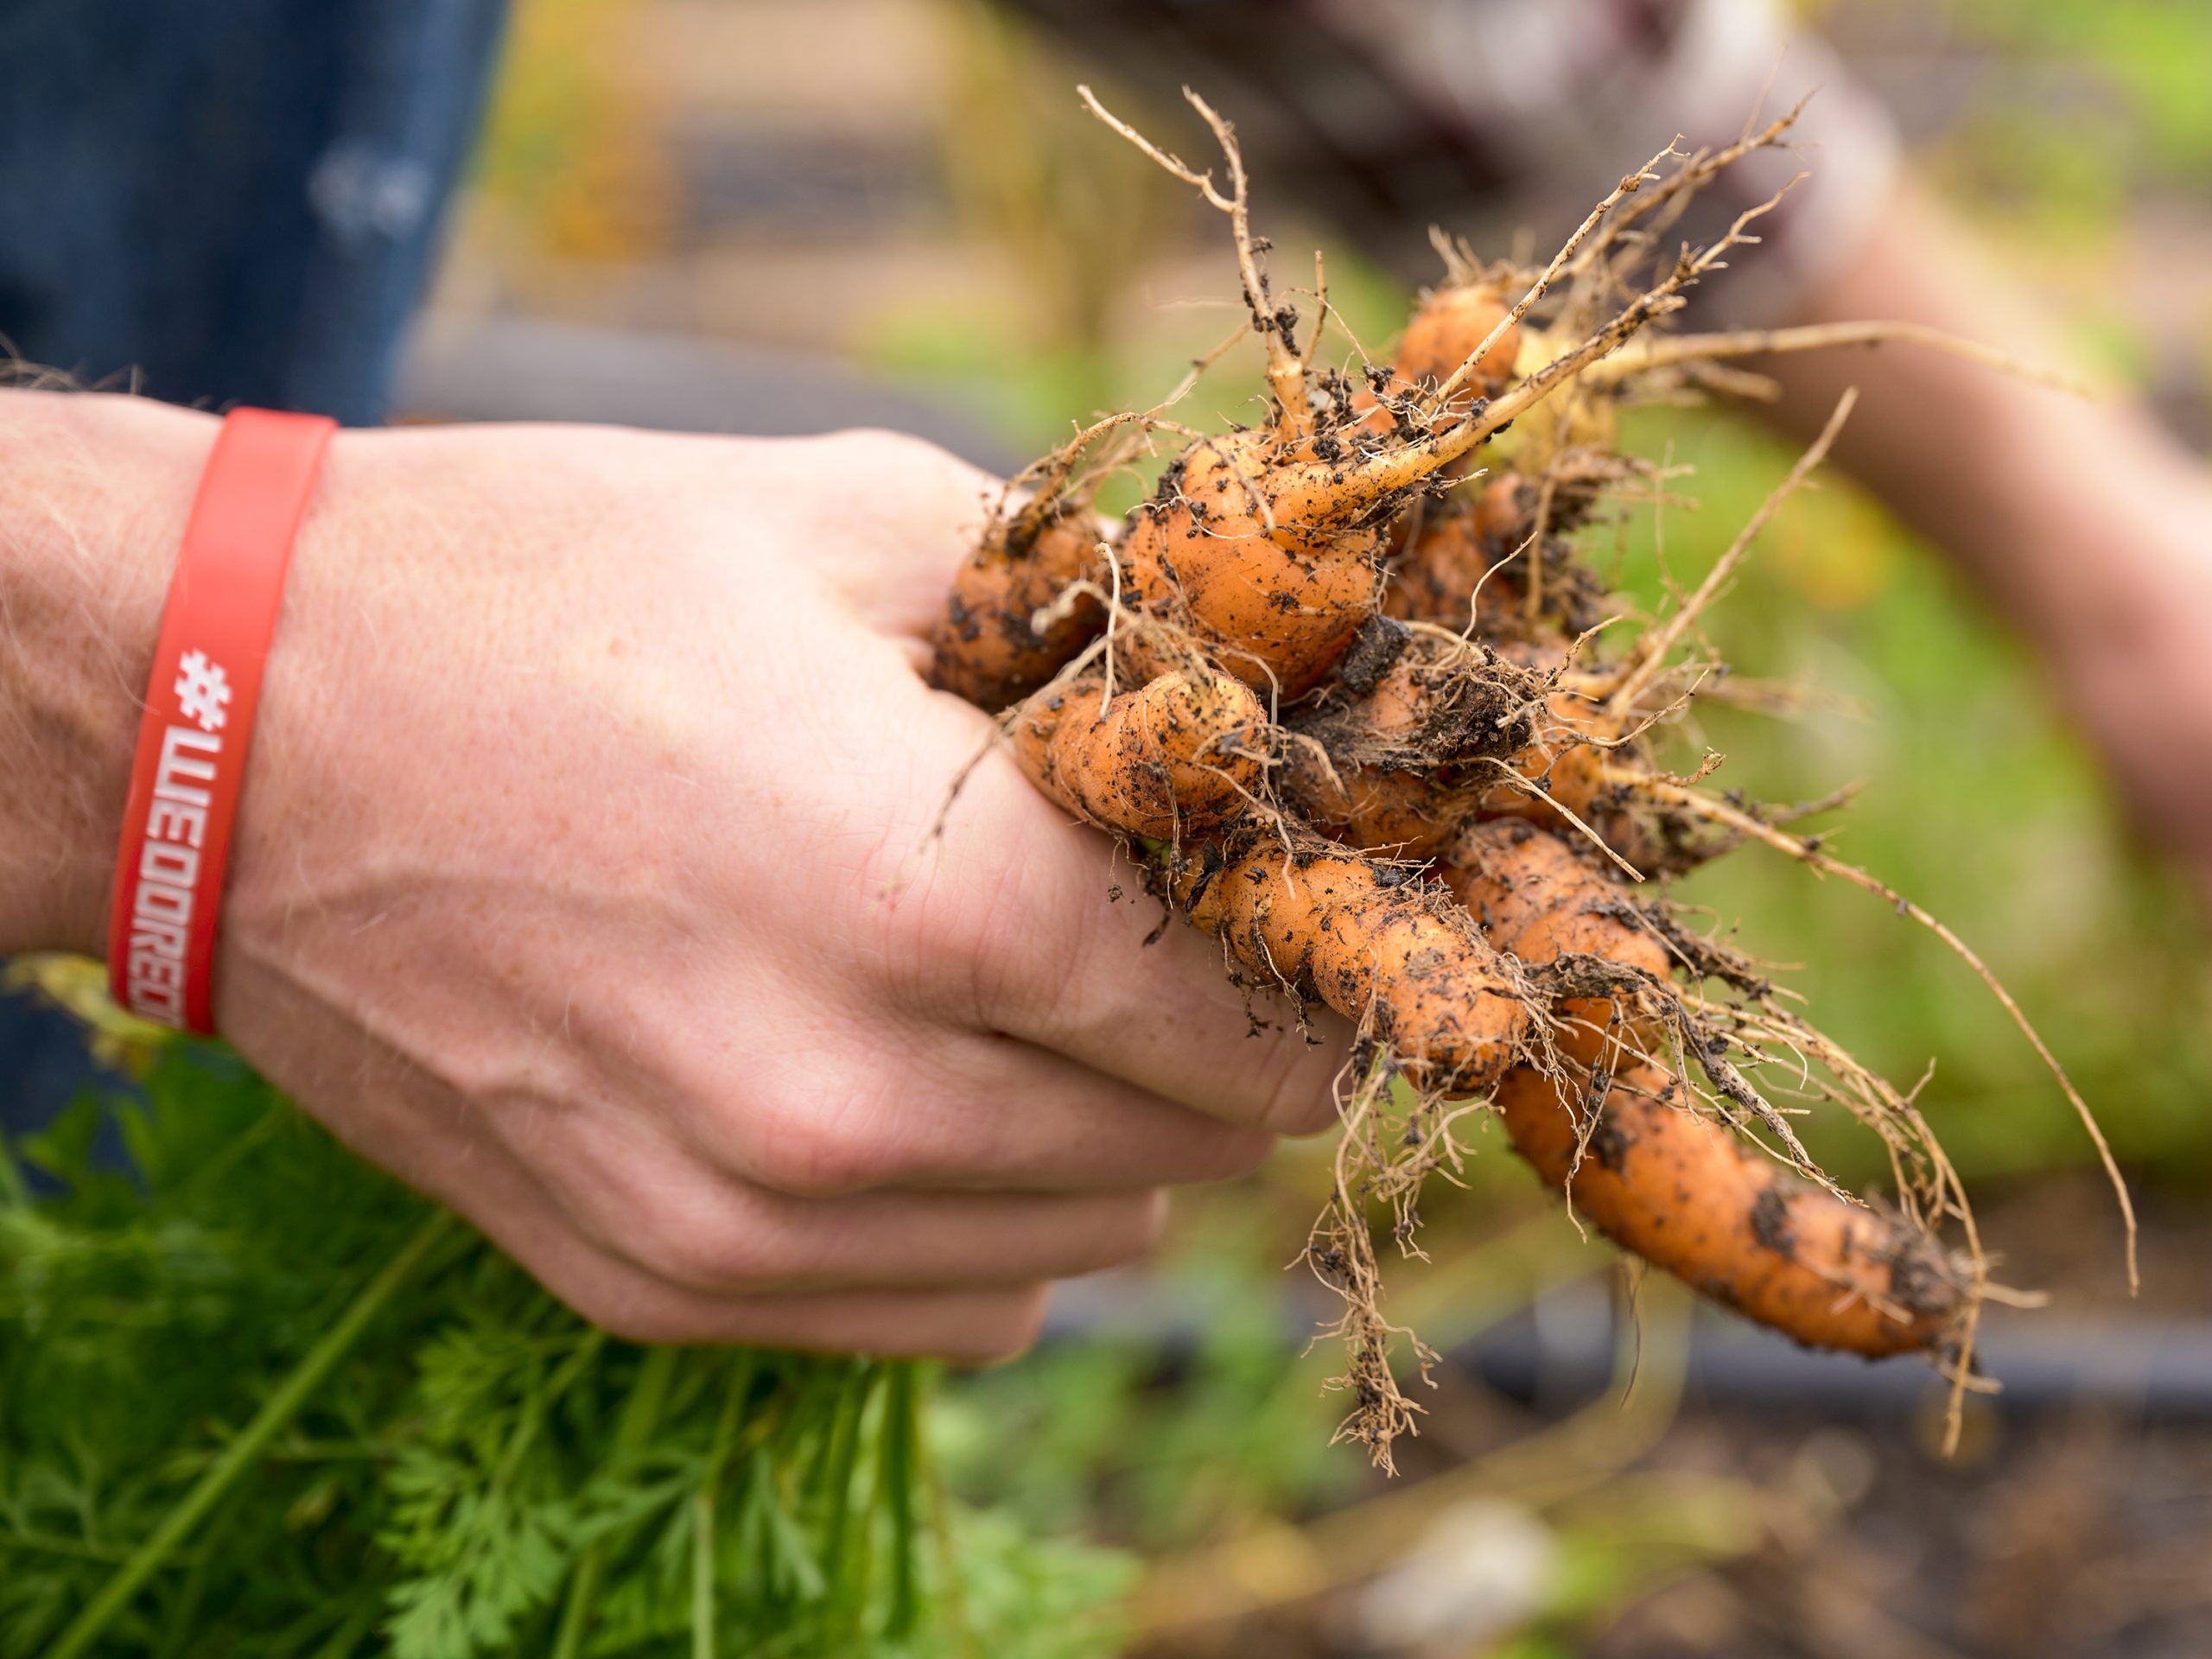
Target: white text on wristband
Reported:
point(169, 865)
point(200, 704)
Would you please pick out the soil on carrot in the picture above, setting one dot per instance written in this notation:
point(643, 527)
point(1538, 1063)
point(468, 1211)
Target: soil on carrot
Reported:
point(1275, 682)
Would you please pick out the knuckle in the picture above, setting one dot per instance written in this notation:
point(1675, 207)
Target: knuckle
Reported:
point(810, 1148)
point(885, 440)
point(1006, 1331)
point(632, 1313)
point(1025, 972)
point(1238, 1153)
point(506, 1080)
point(993, 946)
point(970, 943)
point(1150, 1222)
point(1112, 1233)
point(634, 1319)
point(1294, 1099)
point(717, 1249)
point(904, 454)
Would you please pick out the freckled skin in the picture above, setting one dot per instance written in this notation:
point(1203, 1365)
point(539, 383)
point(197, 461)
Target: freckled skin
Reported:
point(637, 961)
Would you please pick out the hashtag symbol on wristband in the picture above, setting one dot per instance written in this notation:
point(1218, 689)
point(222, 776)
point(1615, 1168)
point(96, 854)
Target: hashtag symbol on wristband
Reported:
point(202, 690)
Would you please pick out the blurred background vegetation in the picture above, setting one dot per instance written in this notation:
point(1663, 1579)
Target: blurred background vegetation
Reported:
point(907, 187)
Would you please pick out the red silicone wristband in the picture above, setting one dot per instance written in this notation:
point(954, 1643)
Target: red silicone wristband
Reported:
point(200, 710)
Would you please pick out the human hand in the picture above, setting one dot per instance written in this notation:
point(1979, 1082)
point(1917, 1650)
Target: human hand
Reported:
point(2086, 523)
point(585, 760)
point(2133, 650)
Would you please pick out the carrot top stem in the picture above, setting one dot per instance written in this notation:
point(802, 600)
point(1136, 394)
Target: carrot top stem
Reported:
point(1324, 493)
point(1286, 368)
point(1648, 354)
point(1441, 397)
point(1652, 650)
point(1666, 200)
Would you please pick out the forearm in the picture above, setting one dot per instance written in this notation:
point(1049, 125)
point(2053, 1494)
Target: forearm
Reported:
point(95, 494)
point(2044, 500)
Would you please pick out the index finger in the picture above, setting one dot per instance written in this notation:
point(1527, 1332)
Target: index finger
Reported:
point(1041, 929)
point(885, 517)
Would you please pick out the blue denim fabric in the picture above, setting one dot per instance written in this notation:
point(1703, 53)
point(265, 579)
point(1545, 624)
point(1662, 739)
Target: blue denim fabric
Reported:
point(238, 199)
point(234, 202)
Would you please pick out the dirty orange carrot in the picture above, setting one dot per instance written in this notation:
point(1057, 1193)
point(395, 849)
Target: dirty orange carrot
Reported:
point(1384, 949)
point(1263, 546)
point(1538, 900)
point(1184, 752)
point(1392, 754)
point(1448, 734)
point(1686, 1195)
point(986, 646)
point(1565, 761)
point(1444, 573)
point(1242, 547)
point(1400, 770)
point(1447, 327)
point(1652, 1174)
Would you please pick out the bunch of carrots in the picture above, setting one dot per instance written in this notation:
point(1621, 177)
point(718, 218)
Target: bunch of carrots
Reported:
point(1345, 687)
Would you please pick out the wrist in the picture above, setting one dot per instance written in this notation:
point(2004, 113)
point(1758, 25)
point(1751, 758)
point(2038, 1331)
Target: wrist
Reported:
point(100, 488)
point(2010, 478)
